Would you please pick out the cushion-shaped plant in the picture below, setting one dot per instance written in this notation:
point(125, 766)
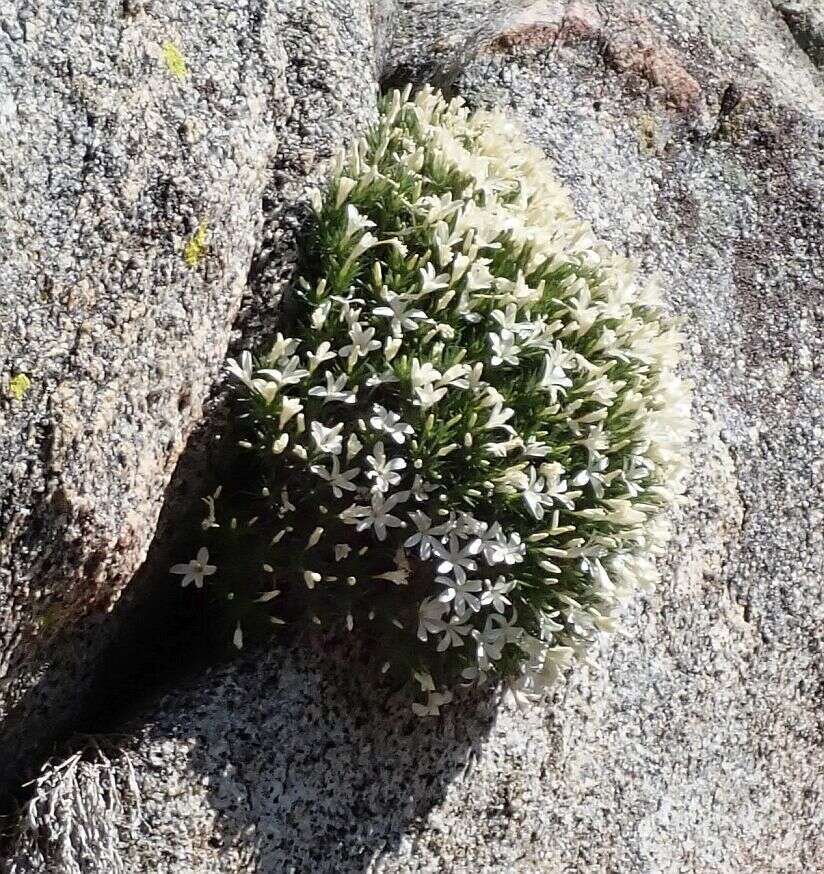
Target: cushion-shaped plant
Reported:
point(467, 434)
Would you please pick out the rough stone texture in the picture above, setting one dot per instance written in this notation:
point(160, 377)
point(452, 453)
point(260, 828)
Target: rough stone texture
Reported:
point(690, 134)
point(108, 164)
point(805, 19)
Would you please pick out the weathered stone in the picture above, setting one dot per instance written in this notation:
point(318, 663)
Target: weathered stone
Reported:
point(805, 19)
point(698, 745)
point(124, 128)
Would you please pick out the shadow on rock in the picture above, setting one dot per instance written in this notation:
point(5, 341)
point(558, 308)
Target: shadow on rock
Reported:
point(287, 759)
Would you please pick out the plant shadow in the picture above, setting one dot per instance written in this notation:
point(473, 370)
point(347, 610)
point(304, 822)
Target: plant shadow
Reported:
point(311, 764)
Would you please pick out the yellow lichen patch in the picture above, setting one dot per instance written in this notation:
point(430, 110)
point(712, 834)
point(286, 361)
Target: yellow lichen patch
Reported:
point(18, 386)
point(196, 246)
point(174, 60)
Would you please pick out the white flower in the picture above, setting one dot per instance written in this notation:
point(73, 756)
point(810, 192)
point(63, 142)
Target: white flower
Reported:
point(635, 471)
point(283, 347)
point(489, 645)
point(422, 374)
point(454, 632)
point(397, 309)
point(457, 559)
point(532, 487)
point(338, 480)
point(384, 470)
point(422, 378)
point(498, 416)
point(427, 395)
point(327, 440)
point(421, 489)
point(367, 241)
point(536, 449)
point(288, 372)
point(196, 569)
point(462, 593)
point(456, 376)
point(353, 446)
point(390, 423)
point(322, 353)
point(593, 474)
point(320, 314)
point(466, 525)
point(434, 701)
point(430, 617)
point(507, 318)
point(430, 281)
point(595, 442)
point(426, 537)
point(496, 634)
point(333, 391)
point(345, 186)
point(556, 487)
point(399, 576)
point(362, 343)
point(289, 407)
point(479, 276)
point(495, 594)
point(377, 515)
point(504, 348)
point(350, 309)
point(266, 389)
point(244, 370)
point(355, 222)
point(506, 550)
point(554, 378)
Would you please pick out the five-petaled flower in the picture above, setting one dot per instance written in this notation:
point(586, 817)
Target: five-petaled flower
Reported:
point(390, 423)
point(195, 570)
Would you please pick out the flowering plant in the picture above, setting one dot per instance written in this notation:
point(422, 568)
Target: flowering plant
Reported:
point(464, 441)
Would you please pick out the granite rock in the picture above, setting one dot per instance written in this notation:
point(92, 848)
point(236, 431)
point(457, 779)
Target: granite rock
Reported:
point(153, 158)
point(690, 134)
point(805, 19)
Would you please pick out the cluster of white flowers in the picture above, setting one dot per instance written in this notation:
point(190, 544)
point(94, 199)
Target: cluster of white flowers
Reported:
point(468, 437)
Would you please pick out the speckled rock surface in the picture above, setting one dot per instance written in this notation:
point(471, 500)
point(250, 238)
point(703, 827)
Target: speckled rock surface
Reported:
point(691, 135)
point(805, 19)
point(125, 127)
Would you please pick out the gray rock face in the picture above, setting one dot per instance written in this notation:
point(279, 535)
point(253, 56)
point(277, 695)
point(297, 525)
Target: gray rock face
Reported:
point(126, 130)
point(805, 19)
point(691, 135)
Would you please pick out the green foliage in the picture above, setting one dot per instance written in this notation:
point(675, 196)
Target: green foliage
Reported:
point(461, 445)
